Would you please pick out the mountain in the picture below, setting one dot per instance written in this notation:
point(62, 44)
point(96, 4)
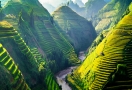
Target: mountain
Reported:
point(110, 14)
point(49, 7)
point(36, 47)
point(75, 7)
point(11, 77)
point(92, 7)
point(79, 2)
point(109, 65)
point(77, 28)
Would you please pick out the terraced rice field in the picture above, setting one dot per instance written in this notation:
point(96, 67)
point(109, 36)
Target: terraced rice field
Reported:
point(104, 63)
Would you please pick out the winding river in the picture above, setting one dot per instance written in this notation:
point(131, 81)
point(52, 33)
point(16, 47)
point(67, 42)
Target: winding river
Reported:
point(62, 74)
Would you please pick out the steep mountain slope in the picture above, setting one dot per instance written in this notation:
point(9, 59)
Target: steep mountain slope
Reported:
point(49, 7)
point(36, 23)
point(75, 7)
point(109, 62)
point(29, 61)
point(92, 7)
point(15, 77)
point(77, 28)
point(110, 14)
point(79, 2)
point(35, 44)
point(97, 41)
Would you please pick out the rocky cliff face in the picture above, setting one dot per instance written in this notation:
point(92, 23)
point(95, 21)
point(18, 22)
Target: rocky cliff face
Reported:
point(78, 29)
point(105, 66)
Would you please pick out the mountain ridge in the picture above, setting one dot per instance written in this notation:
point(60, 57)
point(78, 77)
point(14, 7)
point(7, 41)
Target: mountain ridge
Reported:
point(105, 66)
point(77, 28)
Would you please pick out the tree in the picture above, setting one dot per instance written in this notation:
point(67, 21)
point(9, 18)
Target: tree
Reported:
point(57, 61)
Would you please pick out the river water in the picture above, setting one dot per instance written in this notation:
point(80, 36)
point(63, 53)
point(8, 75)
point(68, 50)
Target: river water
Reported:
point(62, 74)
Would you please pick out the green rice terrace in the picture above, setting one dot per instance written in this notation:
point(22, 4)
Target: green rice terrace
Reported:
point(110, 14)
point(108, 67)
point(39, 27)
point(36, 63)
point(39, 51)
point(33, 44)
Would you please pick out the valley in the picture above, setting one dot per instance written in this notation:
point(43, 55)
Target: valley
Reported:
point(61, 76)
point(65, 45)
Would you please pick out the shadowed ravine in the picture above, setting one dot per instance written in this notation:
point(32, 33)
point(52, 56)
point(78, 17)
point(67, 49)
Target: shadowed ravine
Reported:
point(61, 76)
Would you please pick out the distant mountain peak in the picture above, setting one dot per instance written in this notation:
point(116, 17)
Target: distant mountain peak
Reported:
point(64, 9)
point(77, 28)
point(79, 2)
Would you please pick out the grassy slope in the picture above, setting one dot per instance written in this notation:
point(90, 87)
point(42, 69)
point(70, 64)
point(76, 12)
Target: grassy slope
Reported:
point(16, 78)
point(110, 14)
point(44, 32)
point(30, 62)
point(95, 72)
point(40, 38)
point(77, 28)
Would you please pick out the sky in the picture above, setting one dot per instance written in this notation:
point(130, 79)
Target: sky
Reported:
point(55, 3)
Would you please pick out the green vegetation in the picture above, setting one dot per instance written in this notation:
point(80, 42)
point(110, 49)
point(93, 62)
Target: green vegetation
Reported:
point(5, 26)
point(79, 31)
point(110, 14)
point(5, 81)
point(50, 82)
point(97, 41)
point(35, 63)
point(32, 43)
point(57, 61)
point(8, 63)
point(92, 7)
point(105, 66)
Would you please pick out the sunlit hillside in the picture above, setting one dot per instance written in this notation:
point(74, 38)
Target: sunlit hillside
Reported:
point(110, 14)
point(109, 62)
point(37, 47)
point(77, 47)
